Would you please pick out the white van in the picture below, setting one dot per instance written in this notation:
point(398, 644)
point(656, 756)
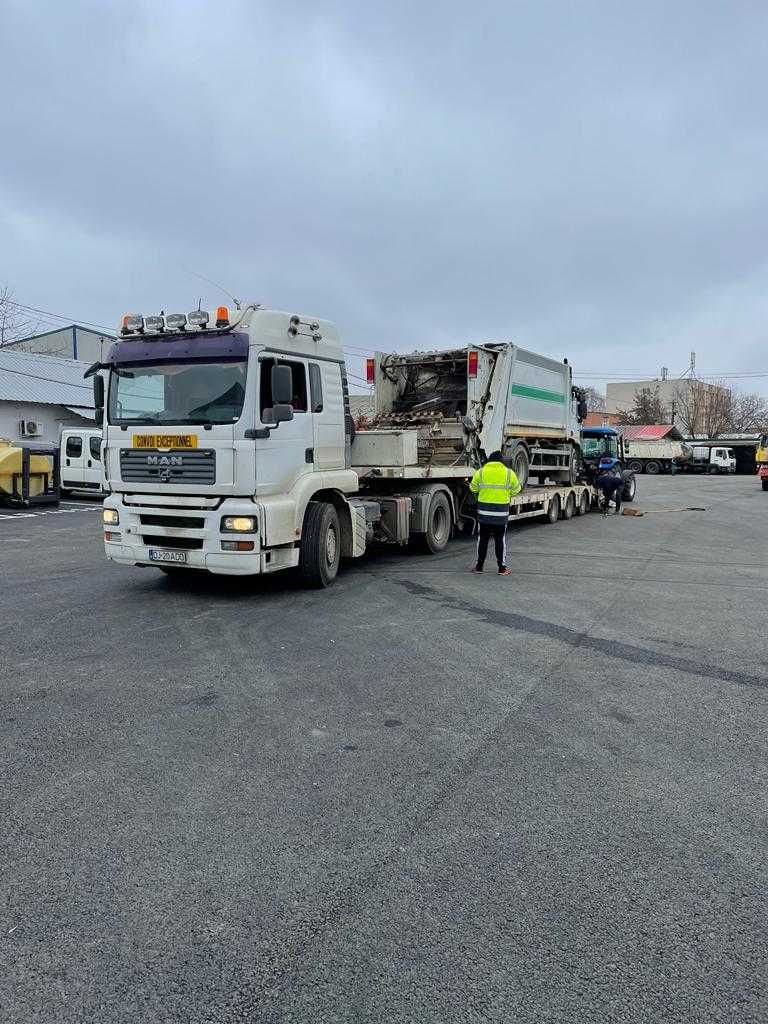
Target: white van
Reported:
point(81, 468)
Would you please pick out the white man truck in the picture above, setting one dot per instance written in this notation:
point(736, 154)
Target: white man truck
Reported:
point(229, 447)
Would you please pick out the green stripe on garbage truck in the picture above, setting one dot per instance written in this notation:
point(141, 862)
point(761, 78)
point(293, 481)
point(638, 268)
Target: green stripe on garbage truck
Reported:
point(541, 394)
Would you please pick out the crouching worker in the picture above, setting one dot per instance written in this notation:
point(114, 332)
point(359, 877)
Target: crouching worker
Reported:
point(610, 482)
point(494, 484)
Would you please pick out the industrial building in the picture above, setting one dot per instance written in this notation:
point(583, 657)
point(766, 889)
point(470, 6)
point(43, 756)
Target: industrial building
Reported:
point(620, 397)
point(40, 394)
point(71, 342)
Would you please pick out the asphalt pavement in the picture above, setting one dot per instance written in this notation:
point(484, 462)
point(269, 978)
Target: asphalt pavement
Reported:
point(420, 796)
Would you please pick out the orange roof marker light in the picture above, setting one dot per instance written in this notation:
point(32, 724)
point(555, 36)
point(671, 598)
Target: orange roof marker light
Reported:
point(131, 324)
point(222, 316)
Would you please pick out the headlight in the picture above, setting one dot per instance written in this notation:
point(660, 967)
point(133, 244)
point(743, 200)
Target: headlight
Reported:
point(111, 517)
point(238, 524)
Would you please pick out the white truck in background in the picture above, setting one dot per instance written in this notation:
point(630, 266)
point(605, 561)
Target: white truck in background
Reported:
point(712, 459)
point(80, 460)
point(228, 444)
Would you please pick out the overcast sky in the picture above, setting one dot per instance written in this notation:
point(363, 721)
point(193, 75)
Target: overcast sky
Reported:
point(588, 179)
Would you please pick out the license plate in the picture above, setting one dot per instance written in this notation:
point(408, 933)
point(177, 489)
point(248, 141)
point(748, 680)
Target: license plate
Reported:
point(165, 441)
point(168, 556)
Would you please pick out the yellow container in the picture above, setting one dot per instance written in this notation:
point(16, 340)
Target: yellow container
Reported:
point(10, 465)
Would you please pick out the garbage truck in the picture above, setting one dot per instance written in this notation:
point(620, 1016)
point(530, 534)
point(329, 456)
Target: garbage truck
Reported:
point(229, 447)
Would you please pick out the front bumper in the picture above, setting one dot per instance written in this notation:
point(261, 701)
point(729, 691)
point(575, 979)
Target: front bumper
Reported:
point(145, 527)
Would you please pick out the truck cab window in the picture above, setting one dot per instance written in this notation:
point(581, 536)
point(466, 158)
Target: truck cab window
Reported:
point(299, 375)
point(95, 446)
point(316, 387)
point(74, 447)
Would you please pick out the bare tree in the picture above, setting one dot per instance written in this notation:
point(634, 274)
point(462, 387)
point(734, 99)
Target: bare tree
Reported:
point(647, 408)
point(748, 413)
point(15, 322)
point(595, 399)
point(703, 408)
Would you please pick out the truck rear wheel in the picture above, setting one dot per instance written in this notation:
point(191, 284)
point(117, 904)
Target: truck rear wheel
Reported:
point(652, 467)
point(439, 522)
point(320, 551)
point(569, 507)
point(583, 504)
point(518, 459)
point(553, 510)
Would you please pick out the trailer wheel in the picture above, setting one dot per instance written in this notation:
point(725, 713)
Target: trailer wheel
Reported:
point(553, 511)
point(652, 467)
point(569, 507)
point(439, 522)
point(320, 550)
point(635, 467)
point(518, 459)
point(583, 506)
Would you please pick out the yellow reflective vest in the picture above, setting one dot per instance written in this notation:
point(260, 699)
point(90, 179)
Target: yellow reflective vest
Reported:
point(494, 486)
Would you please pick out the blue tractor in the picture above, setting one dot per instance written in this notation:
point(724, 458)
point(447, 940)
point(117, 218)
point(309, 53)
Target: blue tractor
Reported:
point(605, 443)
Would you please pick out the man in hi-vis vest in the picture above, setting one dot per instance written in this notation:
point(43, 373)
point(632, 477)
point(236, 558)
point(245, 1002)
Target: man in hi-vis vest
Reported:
point(494, 485)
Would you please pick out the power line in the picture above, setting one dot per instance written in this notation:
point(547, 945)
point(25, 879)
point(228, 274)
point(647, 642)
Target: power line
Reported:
point(60, 316)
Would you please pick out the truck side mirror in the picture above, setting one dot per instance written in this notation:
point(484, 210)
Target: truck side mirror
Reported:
point(282, 385)
point(98, 399)
point(282, 413)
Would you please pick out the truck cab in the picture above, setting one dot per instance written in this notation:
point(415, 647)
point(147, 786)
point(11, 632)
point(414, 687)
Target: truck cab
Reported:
point(218, 433)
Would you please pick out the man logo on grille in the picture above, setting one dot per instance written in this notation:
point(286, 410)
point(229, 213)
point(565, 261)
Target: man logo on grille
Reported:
point(164, 460)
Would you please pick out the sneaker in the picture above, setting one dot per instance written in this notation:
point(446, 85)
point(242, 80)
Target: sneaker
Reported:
point(475, 569)
point(505, 571)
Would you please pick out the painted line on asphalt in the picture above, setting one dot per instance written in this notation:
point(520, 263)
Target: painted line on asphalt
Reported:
point(48, 512)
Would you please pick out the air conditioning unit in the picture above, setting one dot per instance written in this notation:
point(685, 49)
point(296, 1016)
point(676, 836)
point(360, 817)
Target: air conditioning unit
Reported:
point(29, 428)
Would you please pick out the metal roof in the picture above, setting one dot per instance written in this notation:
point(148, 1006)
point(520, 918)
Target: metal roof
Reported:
point(654, 432)
point(46, 380)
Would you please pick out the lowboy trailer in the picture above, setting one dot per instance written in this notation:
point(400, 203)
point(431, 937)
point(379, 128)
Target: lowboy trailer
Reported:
point(229, 447)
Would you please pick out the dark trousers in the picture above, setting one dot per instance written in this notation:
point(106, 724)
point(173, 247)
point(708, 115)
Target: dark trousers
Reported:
point(612, 489)
point(499, 534)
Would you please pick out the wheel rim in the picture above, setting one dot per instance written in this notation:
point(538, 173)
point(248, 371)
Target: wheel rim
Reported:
point(439, 523)
point(331, 546)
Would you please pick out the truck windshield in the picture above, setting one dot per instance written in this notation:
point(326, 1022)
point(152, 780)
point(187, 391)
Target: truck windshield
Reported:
point(594, 447)
point(197, 392)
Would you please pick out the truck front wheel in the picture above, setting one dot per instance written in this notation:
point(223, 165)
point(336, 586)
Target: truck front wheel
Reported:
point(320, 550)
point(635, 467)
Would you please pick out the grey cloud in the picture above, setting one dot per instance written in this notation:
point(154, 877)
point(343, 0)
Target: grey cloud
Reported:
point(589, 179)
